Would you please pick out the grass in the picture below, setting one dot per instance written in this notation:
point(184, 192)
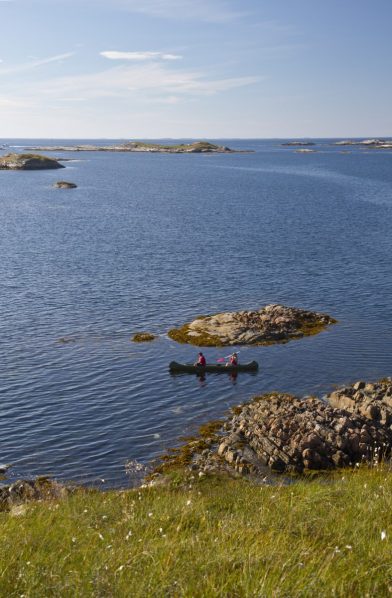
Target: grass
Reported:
point(214, 537)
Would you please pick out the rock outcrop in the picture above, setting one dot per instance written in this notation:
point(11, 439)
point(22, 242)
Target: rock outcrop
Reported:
point(64, 185)
point(368, 399)
point(28, 162)
point(29, 490)
point(288, 434)
point(269, 325)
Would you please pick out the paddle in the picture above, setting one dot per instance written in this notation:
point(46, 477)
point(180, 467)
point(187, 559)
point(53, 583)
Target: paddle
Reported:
point(227, 356)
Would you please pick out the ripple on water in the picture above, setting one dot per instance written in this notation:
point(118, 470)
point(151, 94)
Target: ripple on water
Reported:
point(153, 241)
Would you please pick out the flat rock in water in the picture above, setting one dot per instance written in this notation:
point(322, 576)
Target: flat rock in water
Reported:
point(268, 325)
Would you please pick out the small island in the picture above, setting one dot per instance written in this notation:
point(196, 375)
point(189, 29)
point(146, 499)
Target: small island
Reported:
point(372, 143)
point(197, 147)
point(269, 325)
point(28, 162)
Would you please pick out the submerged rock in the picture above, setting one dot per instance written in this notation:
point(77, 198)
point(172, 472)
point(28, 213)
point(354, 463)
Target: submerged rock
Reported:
point(143, 337)
point(28, 162)
point(269, 325)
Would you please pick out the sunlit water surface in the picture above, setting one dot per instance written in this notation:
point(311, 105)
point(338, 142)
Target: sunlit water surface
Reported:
point(147, 242)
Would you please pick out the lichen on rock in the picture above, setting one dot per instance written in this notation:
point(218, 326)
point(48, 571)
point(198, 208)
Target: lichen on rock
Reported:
point(268, 325)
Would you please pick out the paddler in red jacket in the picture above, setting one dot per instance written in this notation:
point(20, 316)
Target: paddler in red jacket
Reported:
point(201, 360)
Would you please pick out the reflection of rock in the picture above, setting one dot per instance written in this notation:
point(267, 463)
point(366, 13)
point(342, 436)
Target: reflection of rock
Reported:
point(271, 324)
point(142, 337)
point(28, 162)
point(64, 185)
point(290, 434)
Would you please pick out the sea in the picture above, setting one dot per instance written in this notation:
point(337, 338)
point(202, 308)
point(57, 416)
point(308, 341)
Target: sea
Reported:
point(148, 242)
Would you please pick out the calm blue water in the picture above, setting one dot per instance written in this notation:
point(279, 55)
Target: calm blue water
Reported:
point(150, 241)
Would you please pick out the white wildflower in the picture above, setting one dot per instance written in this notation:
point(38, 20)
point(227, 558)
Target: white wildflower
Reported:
point(150, 514)
point(349, 547)
point(100, 536)
point(383, 535)
point(188, 502)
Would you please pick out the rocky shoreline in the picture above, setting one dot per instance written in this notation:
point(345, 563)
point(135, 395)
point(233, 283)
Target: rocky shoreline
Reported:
point(269, 325)
point(286, 434)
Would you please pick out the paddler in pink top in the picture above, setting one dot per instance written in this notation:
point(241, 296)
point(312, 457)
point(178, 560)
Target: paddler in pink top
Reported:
point(233, 361)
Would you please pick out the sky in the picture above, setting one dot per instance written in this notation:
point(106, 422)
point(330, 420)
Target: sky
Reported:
point(148, 69)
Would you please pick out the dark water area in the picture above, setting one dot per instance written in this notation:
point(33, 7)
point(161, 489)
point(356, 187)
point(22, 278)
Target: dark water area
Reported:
point(149, 241)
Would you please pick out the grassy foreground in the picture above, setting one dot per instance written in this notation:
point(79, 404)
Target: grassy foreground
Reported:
point(211, 537)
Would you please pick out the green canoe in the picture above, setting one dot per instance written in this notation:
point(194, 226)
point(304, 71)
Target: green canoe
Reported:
point(190, 368)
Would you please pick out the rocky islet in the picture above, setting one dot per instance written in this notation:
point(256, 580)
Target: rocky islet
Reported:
point(271, 324)
point(28, 162)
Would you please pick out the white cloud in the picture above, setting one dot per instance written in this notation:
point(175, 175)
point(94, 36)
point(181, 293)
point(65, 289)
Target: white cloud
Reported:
point(138, 56)
point(27, 66)
point(148, 79)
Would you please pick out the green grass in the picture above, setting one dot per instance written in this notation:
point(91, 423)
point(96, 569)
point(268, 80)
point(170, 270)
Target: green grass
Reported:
point(206, 538)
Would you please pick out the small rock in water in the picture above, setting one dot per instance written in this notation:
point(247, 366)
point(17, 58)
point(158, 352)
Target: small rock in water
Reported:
point(64, 185)
point(4, 467)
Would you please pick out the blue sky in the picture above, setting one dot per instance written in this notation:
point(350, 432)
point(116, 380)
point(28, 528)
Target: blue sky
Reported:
point(195, 68)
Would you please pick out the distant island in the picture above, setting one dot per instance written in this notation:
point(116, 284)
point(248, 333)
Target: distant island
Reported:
point(197, 147)
point(376, 143)
point(28, 162)
point(297, 143)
